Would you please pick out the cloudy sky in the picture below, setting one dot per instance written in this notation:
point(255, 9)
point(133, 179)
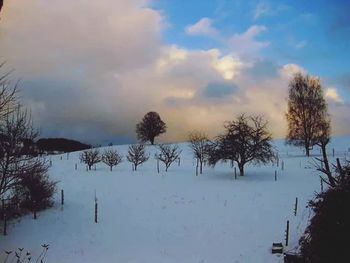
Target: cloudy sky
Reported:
point(90, 70)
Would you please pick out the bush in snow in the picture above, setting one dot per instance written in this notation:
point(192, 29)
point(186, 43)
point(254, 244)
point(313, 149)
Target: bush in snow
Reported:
point(326, 238)
point(137, 155)
point(35, 189)
point(111, 158)
point(90, 157)
point(168, 154)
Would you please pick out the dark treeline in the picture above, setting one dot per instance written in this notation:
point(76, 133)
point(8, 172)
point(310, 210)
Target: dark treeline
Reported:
point(60, 145)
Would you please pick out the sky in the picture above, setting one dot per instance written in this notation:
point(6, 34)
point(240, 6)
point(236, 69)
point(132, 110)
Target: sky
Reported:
point(89, 70)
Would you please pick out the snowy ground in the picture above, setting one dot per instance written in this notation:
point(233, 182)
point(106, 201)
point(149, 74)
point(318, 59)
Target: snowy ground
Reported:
point(173, 216)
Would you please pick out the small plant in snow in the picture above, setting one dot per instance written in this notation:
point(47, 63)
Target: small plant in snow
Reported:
point(19, 256)
point(90, 157)
point(168, 154)
point(137, 155)
point(111, 158)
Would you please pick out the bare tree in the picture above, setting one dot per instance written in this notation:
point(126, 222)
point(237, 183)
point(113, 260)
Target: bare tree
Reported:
point(245, 140)
point(90, 157)
point(199, 143)
point(168, 154)
point(14, 129)
point(307, 111)
point(150, 127)
point(137, 155)
point(111, 158)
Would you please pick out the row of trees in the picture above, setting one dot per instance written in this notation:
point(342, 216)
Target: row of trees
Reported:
point(136, 155)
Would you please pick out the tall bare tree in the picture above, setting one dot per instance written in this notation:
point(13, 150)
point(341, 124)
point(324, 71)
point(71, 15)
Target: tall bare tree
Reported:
point(150, 127)
point(199, 144)
point(245, 140)
point(307, 111)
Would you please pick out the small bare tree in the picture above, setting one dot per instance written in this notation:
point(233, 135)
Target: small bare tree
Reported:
point(137, 155)
point(168, 154)
point(90, 157)
point(111, 158)
point(199, 144)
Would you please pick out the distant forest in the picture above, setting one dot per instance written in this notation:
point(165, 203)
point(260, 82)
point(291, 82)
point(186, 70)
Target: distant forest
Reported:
point(48, 145)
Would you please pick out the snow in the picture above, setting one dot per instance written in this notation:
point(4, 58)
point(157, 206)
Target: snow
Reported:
point(175, 216)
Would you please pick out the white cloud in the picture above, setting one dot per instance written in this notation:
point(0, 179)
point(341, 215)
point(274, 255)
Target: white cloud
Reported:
point(331, 94)
point(261, 9)
point(300, 44)
point(246, 43)
point(203, 27)
point(289, 70)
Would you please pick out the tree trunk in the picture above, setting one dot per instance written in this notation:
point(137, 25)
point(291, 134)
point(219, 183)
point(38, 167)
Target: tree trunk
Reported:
point(326, 165)
point(241, 169)
point(90, 167)
point(152, 140)
point(307, 149)
point(200, 167)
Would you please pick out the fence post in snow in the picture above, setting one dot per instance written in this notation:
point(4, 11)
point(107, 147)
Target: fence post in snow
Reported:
point(50, 162)
point(282, 165)
point(76, 167)
point(296, 206)
point(235, 173)
point(34, 210)
point(333, 152)
point(179, 160)
point(67, 156)
point(158, 165)
point(5, 224)
point(3, 205)
point(96, 211)
point(62, 197)
point(275, 175)
point(61, 157)
point(287, 233)
point(277, 160)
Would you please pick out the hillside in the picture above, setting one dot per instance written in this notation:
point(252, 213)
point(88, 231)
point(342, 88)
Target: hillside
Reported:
point(174, 216)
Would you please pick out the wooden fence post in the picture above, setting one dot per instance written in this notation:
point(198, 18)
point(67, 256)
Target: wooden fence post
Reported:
point(34, 208)
point(5, 224)
point(282, 165)
point(287, 233)
point(76, 166)
point(296, 206)
point(95, 211)
point(62, 197)
point(158, 165)
point(235, 173)
point(275, 175)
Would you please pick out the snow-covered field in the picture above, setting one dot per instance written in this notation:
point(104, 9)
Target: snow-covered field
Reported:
point(174, 216)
